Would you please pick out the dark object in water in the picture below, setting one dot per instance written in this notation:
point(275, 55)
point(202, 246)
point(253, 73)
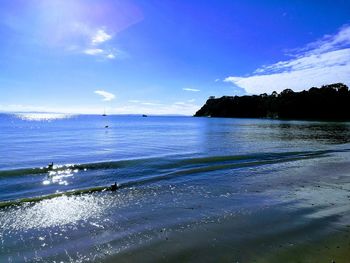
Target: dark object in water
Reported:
point(106, 126)
point(144, 115)
point(104, 114)
point(50, 166)
point(114, 187)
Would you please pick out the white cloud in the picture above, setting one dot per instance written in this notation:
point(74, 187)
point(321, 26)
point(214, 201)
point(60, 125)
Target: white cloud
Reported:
point(188, 89)
point(100, 36)
point(154, 108)
point(322, 62)
point(110, 56)
point(97, 46)
point(92, 42)
point(151, 104)
point(93, 51)
point(107, 96)
point(99, 52)
point(179, 108)
point(330, 42)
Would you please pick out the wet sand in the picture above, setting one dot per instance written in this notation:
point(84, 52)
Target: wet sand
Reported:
point(309, 223)
point(265, 237)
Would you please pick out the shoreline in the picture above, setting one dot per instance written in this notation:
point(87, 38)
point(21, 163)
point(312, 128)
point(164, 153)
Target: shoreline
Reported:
point(309, 224)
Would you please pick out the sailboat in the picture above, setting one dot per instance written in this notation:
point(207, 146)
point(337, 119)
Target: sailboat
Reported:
point(104, 114)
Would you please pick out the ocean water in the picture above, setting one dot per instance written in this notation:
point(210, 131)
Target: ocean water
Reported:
point(190, 189)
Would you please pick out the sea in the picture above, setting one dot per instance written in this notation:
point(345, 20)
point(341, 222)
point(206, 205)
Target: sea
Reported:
point(188, 189)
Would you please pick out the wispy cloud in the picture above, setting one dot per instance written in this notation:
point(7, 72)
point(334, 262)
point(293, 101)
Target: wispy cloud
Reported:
point(97, 46)
point(329, 42)
point(134, 101)
point(154, 108)
point(188, 89)
point(107, 96)
point(100, 36)
point(111, 56)
point(151, 104)
point(321, 62)
point(93, 51)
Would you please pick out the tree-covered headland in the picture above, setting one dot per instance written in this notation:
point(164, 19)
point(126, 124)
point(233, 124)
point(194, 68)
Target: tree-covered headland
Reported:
point(330, 102)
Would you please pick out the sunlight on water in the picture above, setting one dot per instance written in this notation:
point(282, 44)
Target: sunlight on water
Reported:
point(175, 175)
point(42, 116)
point(54, 212)
point(59, 174)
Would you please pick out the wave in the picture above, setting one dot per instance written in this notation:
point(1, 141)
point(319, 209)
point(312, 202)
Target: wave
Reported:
point(50, 196)
point(86, 166)
point(244, 160)
point(165, 169)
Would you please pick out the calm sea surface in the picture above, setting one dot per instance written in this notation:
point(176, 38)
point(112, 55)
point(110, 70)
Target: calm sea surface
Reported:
point(191, 189)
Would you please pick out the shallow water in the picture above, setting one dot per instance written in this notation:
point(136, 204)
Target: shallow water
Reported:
point(191, 189)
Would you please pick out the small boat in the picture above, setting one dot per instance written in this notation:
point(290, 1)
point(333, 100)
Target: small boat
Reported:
point(144, 115)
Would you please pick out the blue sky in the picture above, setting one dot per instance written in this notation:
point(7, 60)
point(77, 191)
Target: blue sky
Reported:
point(165, 57)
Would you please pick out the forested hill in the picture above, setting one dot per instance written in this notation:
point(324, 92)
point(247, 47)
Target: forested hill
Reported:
point(330, 102)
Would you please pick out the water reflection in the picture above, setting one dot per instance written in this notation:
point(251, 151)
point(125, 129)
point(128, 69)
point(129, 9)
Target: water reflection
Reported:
point(329, 133)
point(242, 136)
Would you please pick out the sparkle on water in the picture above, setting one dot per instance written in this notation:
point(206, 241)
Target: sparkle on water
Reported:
point(59, 174)
point(42, 116)
point(54, 212)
